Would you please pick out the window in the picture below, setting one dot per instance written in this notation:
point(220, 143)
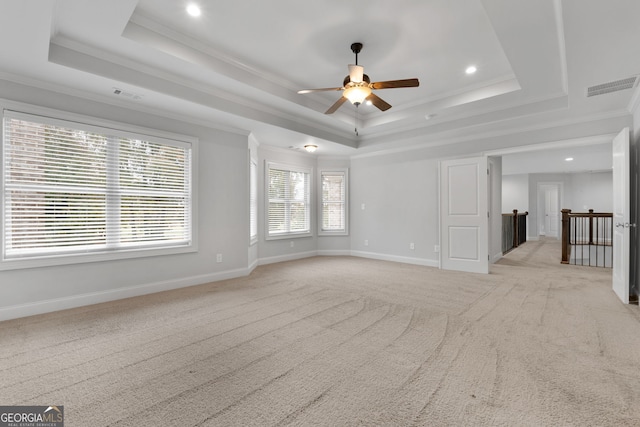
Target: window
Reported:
point(289, 201)
point(253, 201)
point(333, 214)
point(71, 189)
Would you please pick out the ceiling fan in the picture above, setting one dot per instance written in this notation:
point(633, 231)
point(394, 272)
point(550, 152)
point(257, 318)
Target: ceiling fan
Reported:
point(357, 86)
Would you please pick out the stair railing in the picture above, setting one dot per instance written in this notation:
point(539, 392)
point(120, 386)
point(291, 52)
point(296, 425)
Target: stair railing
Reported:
point(587, 238)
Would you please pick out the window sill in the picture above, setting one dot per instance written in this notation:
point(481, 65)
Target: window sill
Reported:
point(54, 260)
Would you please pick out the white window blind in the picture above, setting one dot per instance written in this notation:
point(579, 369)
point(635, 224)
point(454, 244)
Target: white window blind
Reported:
point(289, 196)
point(334, 201)
point(71, 188)
point(253, 200)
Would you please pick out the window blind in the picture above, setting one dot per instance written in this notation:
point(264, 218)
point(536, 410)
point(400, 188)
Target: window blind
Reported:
point(289, 207)
point(71, 188)
point(333, 201)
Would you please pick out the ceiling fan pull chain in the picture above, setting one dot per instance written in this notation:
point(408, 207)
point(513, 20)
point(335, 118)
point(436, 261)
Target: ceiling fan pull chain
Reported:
point(355, 117)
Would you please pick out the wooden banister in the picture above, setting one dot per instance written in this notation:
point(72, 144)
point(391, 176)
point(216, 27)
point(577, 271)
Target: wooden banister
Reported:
point(514, 230)
point(584, 231)
point(565, 236)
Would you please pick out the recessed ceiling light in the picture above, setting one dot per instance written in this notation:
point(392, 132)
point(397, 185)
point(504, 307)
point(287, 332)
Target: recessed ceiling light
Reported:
point(471, 69)
point(569, 159)
point(193, 9)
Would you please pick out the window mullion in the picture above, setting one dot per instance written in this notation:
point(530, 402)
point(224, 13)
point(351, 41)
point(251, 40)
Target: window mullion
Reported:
point(113, 192)
point(287, 205)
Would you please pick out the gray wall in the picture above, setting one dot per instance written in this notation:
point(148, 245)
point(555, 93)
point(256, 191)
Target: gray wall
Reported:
point(400, 198)
point(222, 213)
point(399, 191)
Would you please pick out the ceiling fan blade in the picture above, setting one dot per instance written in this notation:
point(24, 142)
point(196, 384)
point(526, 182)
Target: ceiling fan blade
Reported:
point(378, 102)
point(390, 84)
point(335, 106)
point(356, 73)
point(324, 89)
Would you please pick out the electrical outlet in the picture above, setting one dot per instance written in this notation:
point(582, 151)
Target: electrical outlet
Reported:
point(412, 246)
point(436, 248)
point(293, 244)
point(219, 258)
point(362, 206)
point(366, 243)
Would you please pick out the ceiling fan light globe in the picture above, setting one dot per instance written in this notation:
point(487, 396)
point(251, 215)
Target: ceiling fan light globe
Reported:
point(356, 94)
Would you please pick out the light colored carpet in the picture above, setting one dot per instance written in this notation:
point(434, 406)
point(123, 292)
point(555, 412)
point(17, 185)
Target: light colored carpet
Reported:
point(342, 341)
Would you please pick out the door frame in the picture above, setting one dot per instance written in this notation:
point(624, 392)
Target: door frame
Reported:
point(540, 209)
point(464, 219)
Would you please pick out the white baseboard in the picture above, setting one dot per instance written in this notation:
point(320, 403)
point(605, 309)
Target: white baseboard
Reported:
point(57, 304)
point(335, 252)
point(288, 257)
point(395, 258)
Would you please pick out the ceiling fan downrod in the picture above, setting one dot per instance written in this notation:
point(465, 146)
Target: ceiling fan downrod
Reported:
point(356, 48)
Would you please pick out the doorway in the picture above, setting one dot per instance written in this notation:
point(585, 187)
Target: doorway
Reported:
point(549, 209)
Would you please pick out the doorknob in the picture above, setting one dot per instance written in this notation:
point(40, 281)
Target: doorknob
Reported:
point(625, 225)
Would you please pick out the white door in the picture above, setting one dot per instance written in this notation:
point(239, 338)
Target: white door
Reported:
point(621, 215)
point(464, 222)
point(551, 210)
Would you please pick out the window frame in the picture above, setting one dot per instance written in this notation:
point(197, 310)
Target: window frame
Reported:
point(309, 210)
point(82, 122)
point(253, 200)
point(333, 171)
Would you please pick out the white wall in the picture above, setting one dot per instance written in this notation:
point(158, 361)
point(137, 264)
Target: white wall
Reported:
point(495, 208)
point(590, 191)
point(515, 193)
point(222, 228)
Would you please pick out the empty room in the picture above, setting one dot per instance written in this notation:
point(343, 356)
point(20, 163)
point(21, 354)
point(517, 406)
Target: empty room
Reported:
point(363, 213)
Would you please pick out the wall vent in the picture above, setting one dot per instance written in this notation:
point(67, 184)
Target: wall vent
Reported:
point(615, 86)
point(126, 94)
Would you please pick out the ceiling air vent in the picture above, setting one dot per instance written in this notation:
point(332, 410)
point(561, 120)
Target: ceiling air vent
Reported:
point(622, 84)
point(126, 94)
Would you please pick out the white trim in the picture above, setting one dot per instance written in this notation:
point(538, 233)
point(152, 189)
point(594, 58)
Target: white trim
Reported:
point(334, 252)
point(59, 117)
point(562, 45)
point(57, 304)
point(328, 171)
point(561, 143)
point(82, 300)
point(288, 257)
point(109, 100)
point(395, 258)
point(441, 139)
point(268, 165)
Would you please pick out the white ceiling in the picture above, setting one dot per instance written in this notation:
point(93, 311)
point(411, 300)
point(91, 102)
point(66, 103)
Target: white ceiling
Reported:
point(240, 64)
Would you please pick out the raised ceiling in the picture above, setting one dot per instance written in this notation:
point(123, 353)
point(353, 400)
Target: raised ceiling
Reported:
point(240, 64)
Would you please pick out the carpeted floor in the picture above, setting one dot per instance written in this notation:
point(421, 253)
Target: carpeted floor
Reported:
point(343, 341)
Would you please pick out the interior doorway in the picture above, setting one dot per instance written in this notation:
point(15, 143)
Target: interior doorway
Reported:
point(549, 209)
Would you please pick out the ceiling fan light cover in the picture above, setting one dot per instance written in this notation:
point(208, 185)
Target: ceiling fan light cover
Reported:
point(357, 94)
point(356, 73)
